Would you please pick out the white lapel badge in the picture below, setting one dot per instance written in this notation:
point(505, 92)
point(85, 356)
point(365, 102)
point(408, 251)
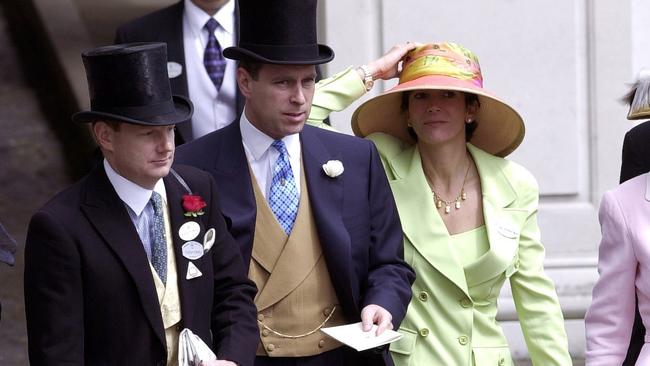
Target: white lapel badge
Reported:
point(192, 271)
point(333, 168)
point(508, 232)
point(189, 230)
point(174, 69)
point(192, 250)
point(208, 240)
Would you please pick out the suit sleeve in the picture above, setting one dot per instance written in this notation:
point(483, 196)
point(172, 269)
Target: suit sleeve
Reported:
point(389, 276)
point(536, 300)
point(334, 94)
point(53, 294)
point(234, 325)
point(610, 316)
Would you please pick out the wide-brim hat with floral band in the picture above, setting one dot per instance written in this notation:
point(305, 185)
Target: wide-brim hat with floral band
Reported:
point(282, 32)
point(639, 97)
point(443, 66)
point(129, 83)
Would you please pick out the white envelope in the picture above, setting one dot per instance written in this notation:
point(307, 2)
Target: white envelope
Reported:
point(354, 336)
point(192, 350)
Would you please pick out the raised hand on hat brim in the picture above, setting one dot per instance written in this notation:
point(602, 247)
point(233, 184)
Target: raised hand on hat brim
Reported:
point(387, 66)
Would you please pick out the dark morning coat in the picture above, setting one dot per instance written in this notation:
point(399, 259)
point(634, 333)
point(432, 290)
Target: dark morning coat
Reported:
point(355, 213)
point(90, 297)
point(166, 25)
point(636, 161)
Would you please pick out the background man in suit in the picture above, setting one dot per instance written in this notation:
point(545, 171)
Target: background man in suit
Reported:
point(196, 31)
point(311, 208)
point(7, 250)
point(636, 161)
point(119, 263)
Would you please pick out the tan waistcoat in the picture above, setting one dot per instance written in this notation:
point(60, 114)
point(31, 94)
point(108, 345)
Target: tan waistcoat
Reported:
point(296, 296)
point(168, 296)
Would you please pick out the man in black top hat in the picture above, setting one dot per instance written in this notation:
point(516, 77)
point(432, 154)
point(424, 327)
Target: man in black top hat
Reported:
point(119, 263)
point(188, 27)
point(311, 209)
point(185, 27)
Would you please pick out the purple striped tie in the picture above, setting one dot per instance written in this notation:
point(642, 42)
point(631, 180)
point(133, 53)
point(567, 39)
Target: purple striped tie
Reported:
point(213, 59)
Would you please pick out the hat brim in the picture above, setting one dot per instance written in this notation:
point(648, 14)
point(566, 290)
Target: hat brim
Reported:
point(500, 128)
point(183, 110)
point(639, 114)
point(325, 54)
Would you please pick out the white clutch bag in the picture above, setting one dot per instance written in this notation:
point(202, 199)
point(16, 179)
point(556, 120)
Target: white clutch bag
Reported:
point(192, 350)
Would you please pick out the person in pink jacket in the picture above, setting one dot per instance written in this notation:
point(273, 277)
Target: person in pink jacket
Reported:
point(623, 265)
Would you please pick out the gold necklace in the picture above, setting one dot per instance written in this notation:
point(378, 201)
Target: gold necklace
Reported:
point(456, 202)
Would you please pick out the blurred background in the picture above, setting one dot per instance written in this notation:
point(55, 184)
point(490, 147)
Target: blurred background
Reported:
point(564, 65)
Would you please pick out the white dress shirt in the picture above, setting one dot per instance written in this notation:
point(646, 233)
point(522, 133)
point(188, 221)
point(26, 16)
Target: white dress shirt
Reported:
point(135, 199)
point(212, 110)
point(261, 156)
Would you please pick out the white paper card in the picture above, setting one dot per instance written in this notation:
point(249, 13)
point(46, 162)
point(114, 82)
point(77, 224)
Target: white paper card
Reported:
point(353, 336)
point(192, 350)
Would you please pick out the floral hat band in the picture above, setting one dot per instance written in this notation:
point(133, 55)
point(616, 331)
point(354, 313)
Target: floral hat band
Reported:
point(444, 59)
point(442, 66)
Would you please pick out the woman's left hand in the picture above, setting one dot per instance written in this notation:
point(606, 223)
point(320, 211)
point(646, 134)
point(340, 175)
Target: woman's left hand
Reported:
point(386, 67)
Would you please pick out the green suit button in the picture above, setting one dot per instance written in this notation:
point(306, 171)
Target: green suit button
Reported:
point(463, 340)
point(423, 296)
point(424, 332)
point(465, 303)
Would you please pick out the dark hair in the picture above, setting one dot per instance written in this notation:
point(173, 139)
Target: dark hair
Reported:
point(112, 123)
point(252, 67)
point(470, 98)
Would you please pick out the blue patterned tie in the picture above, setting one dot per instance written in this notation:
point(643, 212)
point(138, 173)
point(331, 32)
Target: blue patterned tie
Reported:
point(158, 242)
point(213, 59)
point(283, 194)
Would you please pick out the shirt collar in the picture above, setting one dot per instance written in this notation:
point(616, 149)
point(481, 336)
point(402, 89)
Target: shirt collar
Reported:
point(133, 195)
point(258, 143)
point(197, 17)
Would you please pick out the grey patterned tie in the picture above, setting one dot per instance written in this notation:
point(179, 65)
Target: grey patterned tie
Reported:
point(158, 242)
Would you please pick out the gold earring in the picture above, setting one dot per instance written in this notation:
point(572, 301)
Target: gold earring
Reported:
point(468, 120)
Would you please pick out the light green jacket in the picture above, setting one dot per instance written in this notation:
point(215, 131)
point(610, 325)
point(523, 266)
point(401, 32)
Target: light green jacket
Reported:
point(451, 318)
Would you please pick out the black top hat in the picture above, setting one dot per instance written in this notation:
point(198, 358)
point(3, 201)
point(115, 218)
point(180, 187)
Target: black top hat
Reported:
point(279, 32)
point(129, 83)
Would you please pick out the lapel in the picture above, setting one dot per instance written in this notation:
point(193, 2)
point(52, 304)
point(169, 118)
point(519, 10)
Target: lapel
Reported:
point(240, 97)
point(503, 222)
point(172, 33)
point(415, 206)
point(236, 195)
point(186, 288)
point(326, 199)
point(106, 212)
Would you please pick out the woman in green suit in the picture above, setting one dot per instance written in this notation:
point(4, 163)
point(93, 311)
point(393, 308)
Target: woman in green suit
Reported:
point(469, 216)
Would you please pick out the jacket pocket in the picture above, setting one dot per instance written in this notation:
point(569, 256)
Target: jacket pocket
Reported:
point(402, 349)
point(492, 356)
